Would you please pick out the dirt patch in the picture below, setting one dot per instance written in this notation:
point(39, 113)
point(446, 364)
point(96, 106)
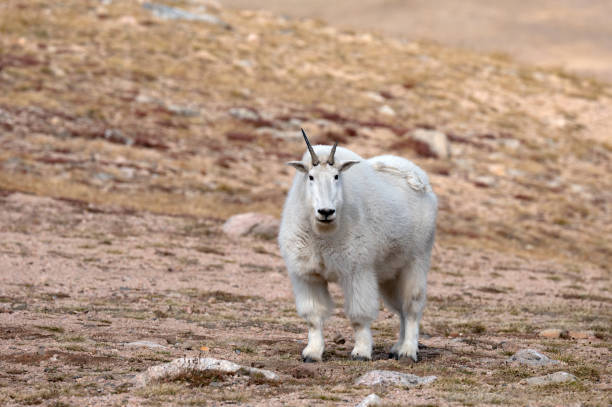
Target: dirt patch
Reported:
point(469, 330)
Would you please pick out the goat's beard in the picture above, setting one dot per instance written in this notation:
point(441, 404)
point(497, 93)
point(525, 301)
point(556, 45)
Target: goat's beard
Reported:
point(323, 228)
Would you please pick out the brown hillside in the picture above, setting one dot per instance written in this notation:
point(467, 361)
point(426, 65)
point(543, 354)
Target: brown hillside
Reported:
point(122, 114)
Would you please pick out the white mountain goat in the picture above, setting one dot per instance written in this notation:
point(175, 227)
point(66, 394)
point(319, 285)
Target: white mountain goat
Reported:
point(368, 225)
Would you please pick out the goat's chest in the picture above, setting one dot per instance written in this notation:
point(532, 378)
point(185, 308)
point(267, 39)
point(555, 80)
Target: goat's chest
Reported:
point(333, 263)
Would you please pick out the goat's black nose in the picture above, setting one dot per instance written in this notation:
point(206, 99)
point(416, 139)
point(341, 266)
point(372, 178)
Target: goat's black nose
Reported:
point(326, 212)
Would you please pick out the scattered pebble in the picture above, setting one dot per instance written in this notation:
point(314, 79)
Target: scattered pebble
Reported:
point(168, 371)
point(386, 110)
point(389, 378)
point(146, 344)
point(431, 143)
point(288, 135)
point(371, 400)
point(375, 96)
point(557, 377)
point(253, 224)
point(183, 110)
point(242, 113)
point(484, 181)
point(531, 357)
point(173, 13)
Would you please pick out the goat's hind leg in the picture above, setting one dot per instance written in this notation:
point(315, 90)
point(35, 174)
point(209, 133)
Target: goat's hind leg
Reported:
point(391, 296)
point(314, 304)
point(410, 297)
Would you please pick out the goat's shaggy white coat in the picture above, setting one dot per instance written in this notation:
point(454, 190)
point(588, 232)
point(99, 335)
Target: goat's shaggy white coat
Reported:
point(379, 243)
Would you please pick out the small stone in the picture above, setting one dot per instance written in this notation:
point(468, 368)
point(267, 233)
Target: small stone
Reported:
point(20, 306)
point(531, 357)
point(557, 377)
point(371, 400)
point(242, 113)
point(173, 13)
point(146, 344)
point(375, 96)
point(177, 367)
point(386, 110)
point(389, 378)
point(287, 135)
point(183, 110)
point(430, 143)
point(253, 224)
point(484, 181)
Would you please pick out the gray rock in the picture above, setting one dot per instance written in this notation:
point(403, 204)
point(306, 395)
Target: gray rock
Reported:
point(531, 357)
point(484, 181)
point(242, 113)
point(371, 400)
point(431, 143)
point(389, 378)
point(117, 136)
point(557, 377)
point(103, 176)
point(386, 110)
point(181, 366)
point(146, 344)
point(253, 224)
point(173, 13)
point(183, 110)
point(19, 306)
point(287, 135)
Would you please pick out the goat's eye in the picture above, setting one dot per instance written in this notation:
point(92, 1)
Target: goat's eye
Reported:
point(310, 177)
point(336, 176)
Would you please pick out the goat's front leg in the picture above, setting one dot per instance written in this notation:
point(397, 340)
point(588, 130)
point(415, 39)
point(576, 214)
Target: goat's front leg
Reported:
point(361, 307)
point(314, 304)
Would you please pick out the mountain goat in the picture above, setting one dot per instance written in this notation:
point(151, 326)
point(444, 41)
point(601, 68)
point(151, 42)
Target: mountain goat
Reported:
point(368, 225)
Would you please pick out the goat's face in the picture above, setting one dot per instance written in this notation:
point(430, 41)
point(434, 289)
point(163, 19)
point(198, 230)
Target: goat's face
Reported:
point(323, 192)
point(323, 187)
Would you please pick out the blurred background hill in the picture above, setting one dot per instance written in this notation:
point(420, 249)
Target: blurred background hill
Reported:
point(187, 107)
point(573, 34)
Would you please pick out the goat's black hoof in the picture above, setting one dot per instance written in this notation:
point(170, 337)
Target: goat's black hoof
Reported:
point(361, 358)
point(308, 359)
point(396, 356)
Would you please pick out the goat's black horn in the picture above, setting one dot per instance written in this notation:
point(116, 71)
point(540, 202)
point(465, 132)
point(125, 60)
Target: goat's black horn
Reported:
point(330, 160)
point(313, 155)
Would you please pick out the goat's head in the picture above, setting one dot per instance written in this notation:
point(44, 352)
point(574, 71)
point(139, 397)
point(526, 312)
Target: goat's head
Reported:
point(323, 186)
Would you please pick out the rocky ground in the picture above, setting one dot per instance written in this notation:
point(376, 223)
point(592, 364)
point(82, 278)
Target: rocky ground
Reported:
point(128, 137)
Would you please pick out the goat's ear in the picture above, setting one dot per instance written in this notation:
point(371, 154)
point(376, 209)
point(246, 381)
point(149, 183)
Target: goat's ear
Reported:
point(298, 165)
point(345, 165)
